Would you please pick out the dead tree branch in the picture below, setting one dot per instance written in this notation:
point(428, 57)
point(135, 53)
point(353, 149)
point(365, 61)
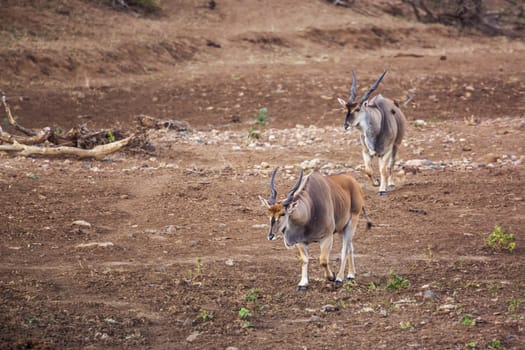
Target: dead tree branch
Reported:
point(78, 141)
point(97, 152)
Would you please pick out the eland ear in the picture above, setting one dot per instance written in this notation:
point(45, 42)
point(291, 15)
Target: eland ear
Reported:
point(264, 202)
point(342, 102)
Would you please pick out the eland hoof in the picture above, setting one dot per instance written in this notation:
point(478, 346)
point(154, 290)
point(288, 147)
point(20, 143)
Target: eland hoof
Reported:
point(331, 278)
point(338, 284)
point(302, 288)
point(381, 193)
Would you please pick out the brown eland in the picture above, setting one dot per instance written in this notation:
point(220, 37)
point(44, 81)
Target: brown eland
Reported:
point(314, 210)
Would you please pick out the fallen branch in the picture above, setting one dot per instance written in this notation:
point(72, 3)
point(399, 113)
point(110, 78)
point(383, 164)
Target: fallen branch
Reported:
point(78, 141)
point(97, 152)
point(13, 122)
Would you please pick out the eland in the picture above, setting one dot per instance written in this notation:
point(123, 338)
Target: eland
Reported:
point(381, 125)
point(314, 210)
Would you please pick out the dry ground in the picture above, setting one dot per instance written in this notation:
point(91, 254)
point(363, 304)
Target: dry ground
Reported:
point(181, 233)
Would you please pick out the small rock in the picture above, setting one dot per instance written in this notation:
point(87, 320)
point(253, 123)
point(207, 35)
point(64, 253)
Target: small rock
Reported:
point(447, 307)
point(192, 337)
point(95, 244)
point(311, 164)
point(416, 162)
point(315, 318)
point(229, 262)
point(429, 294)
point(81, 223)
point(329, 308)
point(418, 123)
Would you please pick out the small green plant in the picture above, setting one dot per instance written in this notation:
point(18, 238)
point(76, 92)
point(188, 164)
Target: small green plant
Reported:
point(350, 285)
point(495, 344)
point(467, 320)
point(396, 282)
point(245, 314)
point(340, 303)
point(196, 272)
point(405, 325)
point(372, 286)
point(261, 116)
point(472, 284)
point(471, 345)
point(253, 294)
point(494, 288)
point(500, 240)
point(111, 136)
point(205, 315)
point(513, 305)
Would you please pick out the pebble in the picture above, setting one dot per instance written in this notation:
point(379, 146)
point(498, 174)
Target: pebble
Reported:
point(192, 337)
point(95, 244)
point(81, 223)
point(329, 308)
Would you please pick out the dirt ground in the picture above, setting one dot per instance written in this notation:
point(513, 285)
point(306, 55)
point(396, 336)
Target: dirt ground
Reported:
point(165, 247)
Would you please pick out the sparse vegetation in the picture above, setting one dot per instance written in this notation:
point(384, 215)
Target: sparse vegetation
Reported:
point(467, 320)
point(261, 116)
point(253, 294)
point(205, 315)
point(513, 305)
point(495, 344)
point(194, 273)
point(350, 285)
point(500, 240)
point(471, 345)
point(396, 282)
point(405, 325)
point(111, 136)
point(245, 313)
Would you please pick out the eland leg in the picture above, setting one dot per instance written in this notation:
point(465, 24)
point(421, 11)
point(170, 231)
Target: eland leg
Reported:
point(326, 246)
point(303, 257)
point(347, 253)
point(390, 166)
point(367, 159)
point(385, 169)
point(352, 226)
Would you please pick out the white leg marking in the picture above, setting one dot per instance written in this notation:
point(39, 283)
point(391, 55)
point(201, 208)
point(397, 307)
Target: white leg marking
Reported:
point(303, 256)
point(347, 239)
point(351, 262)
